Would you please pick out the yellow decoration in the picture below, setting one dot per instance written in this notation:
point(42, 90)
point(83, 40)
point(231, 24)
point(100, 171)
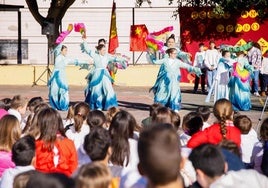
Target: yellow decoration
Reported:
point(241, 42)
point(264, 45)
point(246, 27)
point(202, 15)
point(229, 28)
point(255, 26)
point(138, 31)
point(244, 14)
point(238, 28)
point(220, 28)
point(194, 15)
point(252, 13)
point(210, 14)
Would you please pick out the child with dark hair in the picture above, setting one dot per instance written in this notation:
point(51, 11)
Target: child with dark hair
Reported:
point(222, 129)
point(124, 144)
point(152, 110)
point(4, 106)
point(232, 155)
point(205, 112)
point(159, 154)
point(5, 103)
point(162, 115)
point(54, 152)
point(175, 119)
point(211, 170)
point(191, 124)
point(249, 137)
point(31, 127)
point(110, 114)
point(32, 104)
point(97, 145)
point(80, 128)
point(22, 178)
point(23, 155)
point(96, 118)
point(50, 180)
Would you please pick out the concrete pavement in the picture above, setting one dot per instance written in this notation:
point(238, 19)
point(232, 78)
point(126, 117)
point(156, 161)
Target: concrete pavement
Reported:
point(135, 99)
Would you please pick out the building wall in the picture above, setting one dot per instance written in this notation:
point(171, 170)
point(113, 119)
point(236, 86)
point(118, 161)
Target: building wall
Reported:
point(96, 15)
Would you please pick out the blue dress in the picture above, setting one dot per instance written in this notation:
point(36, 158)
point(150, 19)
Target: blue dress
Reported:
point(166, 88)
point(222, 78)
point(57, 84)
point(99, 91)
point(239, 85)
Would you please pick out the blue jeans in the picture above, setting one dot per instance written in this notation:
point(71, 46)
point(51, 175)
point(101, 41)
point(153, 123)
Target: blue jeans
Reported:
point(255, 81)
point(210, 77)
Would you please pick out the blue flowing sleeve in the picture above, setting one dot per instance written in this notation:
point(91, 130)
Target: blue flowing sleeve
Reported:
point(195, 70)
point(184, 56)
point(160, 61)
point(120, 62)
point(57, 50)
point(85, 48)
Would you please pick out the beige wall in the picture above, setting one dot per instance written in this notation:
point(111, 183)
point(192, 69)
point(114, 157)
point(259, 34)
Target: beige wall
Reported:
point(134, 75)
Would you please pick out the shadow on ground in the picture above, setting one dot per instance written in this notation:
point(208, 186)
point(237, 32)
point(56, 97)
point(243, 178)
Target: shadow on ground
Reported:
point(133, 105)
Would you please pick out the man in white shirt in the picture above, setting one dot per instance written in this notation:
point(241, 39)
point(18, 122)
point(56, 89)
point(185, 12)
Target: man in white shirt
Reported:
point(212, 57)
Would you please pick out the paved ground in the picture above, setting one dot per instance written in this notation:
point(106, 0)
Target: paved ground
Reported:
point(137, 99)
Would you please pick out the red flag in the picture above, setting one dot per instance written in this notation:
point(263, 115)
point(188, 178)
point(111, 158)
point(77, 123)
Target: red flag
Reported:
point(113, 38)
point(138, 34)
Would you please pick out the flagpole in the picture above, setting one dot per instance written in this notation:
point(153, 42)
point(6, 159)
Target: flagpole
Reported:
point(133, 23)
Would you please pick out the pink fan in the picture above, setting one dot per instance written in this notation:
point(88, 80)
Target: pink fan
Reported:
point(64, 34)
point(80, 27)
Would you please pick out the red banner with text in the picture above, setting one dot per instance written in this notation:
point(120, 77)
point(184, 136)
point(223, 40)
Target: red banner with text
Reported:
point(200, 24)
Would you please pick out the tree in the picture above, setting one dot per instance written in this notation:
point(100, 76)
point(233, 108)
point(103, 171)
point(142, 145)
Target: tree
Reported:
point(53, 19)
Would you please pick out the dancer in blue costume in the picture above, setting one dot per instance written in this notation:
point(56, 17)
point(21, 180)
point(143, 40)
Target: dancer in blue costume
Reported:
point(239, 83)
point(99, 92)
point(170, 43)
point(222, 77)
point(166, 88)
point(58, 86)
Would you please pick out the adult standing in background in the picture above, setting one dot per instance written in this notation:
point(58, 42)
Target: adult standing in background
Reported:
point(212, 57)
point(199, 62)
point(255, 58)
point(264, 74)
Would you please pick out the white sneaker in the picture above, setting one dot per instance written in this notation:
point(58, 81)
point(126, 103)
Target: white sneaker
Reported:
point(256, 94)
